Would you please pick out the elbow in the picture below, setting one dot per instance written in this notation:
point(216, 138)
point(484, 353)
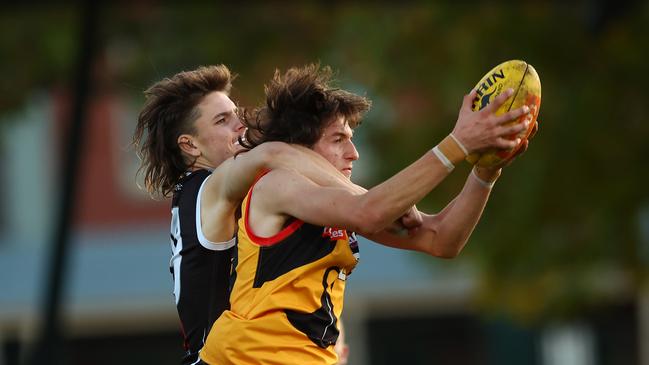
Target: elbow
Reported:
point(447, 250)
point(445, 253)
point(444, 247)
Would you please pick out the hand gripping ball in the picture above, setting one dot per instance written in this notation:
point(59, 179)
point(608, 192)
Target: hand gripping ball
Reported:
point(522, 77)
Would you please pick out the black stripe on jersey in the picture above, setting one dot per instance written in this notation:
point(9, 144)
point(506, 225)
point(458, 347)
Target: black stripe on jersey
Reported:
point(321, 326)
point(304, 246)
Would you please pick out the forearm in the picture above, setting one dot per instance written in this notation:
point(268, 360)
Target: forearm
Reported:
point(239, 172)
point(401, 241)
point(458, 219)
point(445, 234)
point(392, 198)
point(376, 209)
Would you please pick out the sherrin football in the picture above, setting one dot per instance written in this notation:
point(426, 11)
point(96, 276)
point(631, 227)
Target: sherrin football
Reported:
point(522, 77)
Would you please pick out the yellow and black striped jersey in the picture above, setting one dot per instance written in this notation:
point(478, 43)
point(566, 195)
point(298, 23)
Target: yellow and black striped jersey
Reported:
point(287, 296)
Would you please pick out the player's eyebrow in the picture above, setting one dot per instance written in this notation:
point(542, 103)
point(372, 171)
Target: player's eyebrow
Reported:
point(342, 134)
point(223, 114)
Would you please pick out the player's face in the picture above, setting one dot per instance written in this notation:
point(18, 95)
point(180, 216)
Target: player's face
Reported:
point(337, 147)
point(217, 129)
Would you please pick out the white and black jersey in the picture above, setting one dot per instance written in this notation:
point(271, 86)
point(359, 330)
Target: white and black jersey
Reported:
point(200, 268)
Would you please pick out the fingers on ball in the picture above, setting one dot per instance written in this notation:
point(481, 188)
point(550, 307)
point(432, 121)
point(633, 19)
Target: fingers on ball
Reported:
point(508, 144)
point(467, 102)
point(534, 130)
point(513, 129)
point(513, 114)
point(522, 149)
point(499, 100)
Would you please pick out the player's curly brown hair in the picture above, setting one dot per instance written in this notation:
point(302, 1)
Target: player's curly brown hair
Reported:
point(299, 105)
point(170, 110)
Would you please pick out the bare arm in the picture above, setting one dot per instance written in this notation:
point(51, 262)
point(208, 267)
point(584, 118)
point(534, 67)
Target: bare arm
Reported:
point(444, 234)
point(371, 212)
point(476, 130)
point(224, 190)
point(286, 193)
point(283, 193)
point(228, 184)
point(235, 175)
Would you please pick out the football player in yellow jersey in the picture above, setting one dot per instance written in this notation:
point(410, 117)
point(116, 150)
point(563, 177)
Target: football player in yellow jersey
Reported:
point(296, 239)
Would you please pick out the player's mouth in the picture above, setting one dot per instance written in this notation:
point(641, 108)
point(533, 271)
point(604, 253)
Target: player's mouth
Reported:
point(237, 142)
point(241, 137)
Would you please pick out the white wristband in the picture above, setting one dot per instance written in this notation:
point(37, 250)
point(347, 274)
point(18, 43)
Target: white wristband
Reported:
point(486, 184)
point(466, 152)
point(442, 157)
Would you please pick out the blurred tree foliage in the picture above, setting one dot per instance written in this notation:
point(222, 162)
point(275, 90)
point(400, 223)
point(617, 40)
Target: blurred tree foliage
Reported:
point(562, 231)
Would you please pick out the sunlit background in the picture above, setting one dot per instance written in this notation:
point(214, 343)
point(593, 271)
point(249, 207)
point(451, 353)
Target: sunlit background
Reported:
point(554, 274)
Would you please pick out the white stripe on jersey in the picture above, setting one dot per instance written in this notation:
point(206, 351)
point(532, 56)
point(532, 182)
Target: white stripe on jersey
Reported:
point(176, 257)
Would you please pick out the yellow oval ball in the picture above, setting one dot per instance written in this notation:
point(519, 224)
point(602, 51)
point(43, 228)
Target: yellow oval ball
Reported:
point(522, 77)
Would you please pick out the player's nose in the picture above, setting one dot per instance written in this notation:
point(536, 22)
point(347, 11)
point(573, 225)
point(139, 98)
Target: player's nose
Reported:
point(238, 126)
point(352, 152)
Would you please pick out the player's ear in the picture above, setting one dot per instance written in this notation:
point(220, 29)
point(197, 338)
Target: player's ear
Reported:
point(186, 144)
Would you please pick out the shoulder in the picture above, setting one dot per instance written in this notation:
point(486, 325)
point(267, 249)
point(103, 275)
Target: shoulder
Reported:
point(220, 174)
point(213, 185)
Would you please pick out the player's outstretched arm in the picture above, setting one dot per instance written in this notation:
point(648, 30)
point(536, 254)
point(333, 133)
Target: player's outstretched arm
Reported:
point(375, 210)
point(446, 233)
point(283, 192)
point(473, 132)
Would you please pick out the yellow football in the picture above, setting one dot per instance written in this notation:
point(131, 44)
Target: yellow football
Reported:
point(522, 77)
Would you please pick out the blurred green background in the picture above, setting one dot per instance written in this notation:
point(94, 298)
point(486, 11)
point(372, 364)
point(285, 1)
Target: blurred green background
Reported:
point(565, 236)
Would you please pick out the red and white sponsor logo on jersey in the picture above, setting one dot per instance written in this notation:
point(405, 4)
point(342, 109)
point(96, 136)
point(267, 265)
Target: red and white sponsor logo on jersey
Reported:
point(334, 233)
